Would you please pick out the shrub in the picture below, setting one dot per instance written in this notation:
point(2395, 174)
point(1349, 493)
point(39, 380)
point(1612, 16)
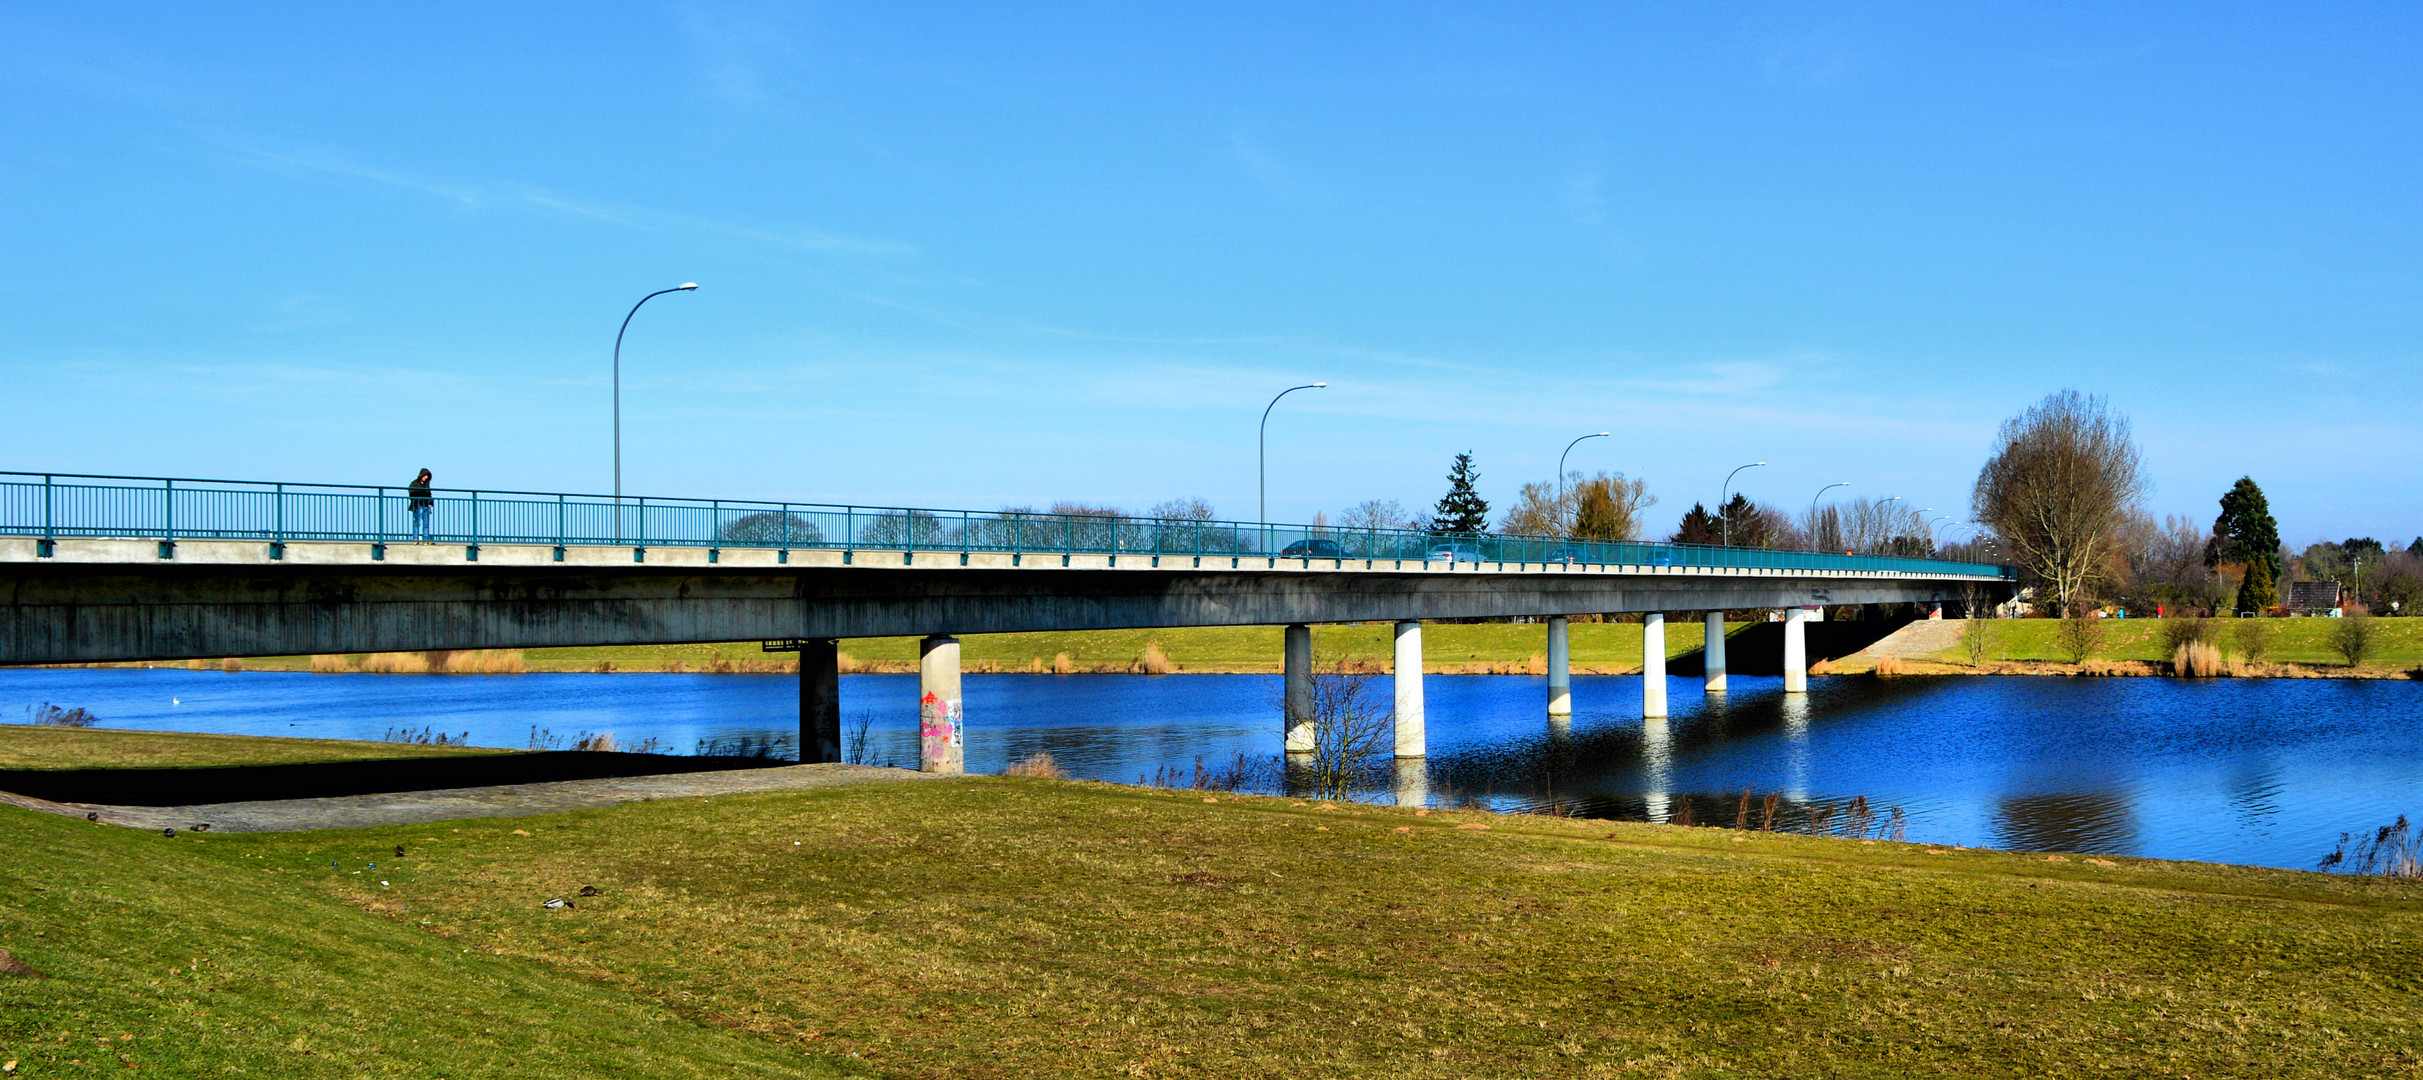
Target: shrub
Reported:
point(2353, 637)
point(1038, 765)
point(2080, 636)
point(1889, 666)
point(1974, 640)
point(2197, 660)
point(2254, 638)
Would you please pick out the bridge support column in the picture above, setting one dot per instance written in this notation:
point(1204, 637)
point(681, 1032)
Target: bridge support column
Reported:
point(819, 700)
point(1714, 652)
point(1796, 650)
point(939, 742)
point(1560, 668)
point(1296, 725)
point(1413, 740)
point(1653, 664)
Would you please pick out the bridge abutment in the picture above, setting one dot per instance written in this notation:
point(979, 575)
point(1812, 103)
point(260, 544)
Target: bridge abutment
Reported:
point(1653, 664)
point(1560, 667)
point(940, 745)
point(1296, 700)
point(820, 700)
point(1713, 652)
point(1413, 740)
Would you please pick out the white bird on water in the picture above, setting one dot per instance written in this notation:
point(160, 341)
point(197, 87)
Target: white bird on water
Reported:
point(174, 701)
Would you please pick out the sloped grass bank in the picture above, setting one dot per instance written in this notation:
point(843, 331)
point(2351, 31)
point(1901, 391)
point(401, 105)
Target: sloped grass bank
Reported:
point(203, 956)
point(996, 927)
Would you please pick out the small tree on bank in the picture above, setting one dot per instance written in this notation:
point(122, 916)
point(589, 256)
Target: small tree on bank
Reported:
point(2060, 479)
point(1461, 511)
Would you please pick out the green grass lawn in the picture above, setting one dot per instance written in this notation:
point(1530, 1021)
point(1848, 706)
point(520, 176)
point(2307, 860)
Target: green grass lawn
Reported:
point(1610, 647)
point(2398, 643)
point(27, 746)
point(1000, 928)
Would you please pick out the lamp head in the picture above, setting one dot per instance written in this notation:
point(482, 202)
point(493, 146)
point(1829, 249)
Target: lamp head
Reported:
point(1602, 435)
point(1319, 385)
point(687, 286)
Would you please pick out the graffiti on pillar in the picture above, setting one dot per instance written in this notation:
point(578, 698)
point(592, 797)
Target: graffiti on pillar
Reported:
point(938, 718)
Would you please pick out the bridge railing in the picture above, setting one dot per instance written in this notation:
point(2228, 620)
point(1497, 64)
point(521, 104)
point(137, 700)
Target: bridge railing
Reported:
point(58, 505)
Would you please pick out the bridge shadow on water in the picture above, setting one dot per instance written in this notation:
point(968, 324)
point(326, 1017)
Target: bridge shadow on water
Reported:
point(186, 787)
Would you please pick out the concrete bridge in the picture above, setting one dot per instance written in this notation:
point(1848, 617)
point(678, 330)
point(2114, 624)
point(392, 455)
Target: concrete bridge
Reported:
point(117, 569)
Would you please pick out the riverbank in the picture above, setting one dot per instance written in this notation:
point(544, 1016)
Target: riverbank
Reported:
point(1036, 927)
point(2300, 648)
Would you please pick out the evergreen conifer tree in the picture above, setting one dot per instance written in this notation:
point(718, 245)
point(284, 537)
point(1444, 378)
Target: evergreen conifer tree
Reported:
point(1461, 511)
point(2246, 519)
point(1698, 527)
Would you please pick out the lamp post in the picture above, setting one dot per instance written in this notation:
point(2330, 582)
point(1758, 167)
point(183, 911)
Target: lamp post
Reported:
point(1821, 493)
point(686, 286)
point(1262, 459)
point(1724, 495)
point(1560, 476)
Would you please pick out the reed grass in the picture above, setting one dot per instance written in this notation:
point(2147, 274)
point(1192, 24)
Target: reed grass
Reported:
point(1890, 666)
point(2198, 659)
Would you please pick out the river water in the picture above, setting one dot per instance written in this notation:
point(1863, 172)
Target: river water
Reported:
point(2266, 772)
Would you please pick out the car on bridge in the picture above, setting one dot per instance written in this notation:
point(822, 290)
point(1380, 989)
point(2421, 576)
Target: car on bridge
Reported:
point(1315, 548)
point(1460, 551)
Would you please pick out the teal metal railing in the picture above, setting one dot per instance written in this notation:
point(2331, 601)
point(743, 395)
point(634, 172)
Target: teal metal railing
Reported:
point(51, 506)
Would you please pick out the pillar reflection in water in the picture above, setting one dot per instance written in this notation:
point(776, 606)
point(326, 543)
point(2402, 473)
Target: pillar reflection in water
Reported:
point(1657, 767)
point(1413, 782)
point(1796, 746)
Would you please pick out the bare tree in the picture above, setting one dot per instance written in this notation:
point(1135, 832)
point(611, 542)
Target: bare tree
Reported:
point(1352, 725)
point(2062, 476)
point(1606, 506)
point(1376, 514)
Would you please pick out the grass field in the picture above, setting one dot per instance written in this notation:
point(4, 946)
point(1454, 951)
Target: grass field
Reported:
point(1454, 648)
point(2398, 643)
point(1449, 648)
point(995, 928)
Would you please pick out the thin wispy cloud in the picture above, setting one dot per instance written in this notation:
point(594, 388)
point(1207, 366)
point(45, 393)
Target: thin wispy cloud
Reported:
point(529, 197)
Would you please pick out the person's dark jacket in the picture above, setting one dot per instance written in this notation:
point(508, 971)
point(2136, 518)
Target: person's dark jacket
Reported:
point(420, 495)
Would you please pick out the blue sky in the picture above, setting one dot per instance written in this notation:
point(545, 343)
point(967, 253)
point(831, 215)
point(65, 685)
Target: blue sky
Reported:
point(976, 256)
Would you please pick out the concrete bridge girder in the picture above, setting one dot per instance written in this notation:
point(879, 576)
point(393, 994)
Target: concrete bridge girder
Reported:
point(69, 610)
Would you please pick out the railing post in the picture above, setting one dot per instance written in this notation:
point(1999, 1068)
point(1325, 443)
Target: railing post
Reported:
point(277, 521)
point(50, 536)
point(168, 517)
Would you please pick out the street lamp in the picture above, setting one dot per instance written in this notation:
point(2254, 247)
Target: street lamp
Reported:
point(1262, 458)
point(1724, 495)
point(1560, 476)
point(686, 286)
point(1821, 493)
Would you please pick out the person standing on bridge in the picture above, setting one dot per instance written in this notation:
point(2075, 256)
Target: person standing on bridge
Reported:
point(422, 504)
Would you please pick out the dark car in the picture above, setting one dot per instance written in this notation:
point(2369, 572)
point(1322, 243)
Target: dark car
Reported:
point(1315, 548)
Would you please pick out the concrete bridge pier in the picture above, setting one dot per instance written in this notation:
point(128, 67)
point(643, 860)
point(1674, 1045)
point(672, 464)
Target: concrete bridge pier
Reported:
point(820, 700)
point(940, 748)
point(1796, 650)
point(1714, 652)
point(1413, 782)
point(1412, 738)
point(1296, 724)
point(1653, 664)
point(1560, 668)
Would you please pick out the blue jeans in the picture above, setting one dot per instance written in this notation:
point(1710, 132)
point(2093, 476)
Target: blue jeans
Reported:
point(420, 521)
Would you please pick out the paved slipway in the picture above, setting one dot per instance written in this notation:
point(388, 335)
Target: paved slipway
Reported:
point(1926, 637)
point(504, 800)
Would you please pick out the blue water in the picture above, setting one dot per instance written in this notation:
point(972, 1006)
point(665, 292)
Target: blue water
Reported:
point(2267, 772)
